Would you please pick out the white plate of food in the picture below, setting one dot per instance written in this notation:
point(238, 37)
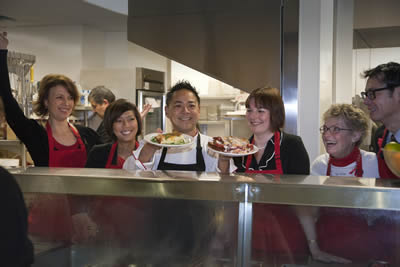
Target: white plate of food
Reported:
point(232, 146)
point(174, 139)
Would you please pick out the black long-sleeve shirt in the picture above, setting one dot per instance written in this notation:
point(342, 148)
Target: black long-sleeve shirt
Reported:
point(294, 156)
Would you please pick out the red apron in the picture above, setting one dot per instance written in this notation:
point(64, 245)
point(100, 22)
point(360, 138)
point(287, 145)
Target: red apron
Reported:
point(384, 171)
point(70, 158)
point(346, 233)
point(50, 215)
point(117, 217)
point(276, 228)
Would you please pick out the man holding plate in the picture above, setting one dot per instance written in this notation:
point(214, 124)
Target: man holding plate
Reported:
point(183, 110)
point(189, 225)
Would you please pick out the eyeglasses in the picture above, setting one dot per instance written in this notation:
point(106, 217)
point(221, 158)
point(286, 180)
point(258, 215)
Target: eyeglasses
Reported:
point(371, 92)
point(332, 129)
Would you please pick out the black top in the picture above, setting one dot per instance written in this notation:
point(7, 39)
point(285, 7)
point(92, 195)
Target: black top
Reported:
point(294, 156)
point(104, 137)
point(29, 131)
point(16, 249)
point(98, 156)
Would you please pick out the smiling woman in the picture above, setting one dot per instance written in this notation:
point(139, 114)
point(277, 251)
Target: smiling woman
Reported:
point(344, 128)
point(59, 144)
point(123, 123)
point(339, 235)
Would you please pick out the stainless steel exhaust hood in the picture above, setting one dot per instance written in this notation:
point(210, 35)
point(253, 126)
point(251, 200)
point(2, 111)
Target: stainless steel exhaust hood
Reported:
point(241, 43)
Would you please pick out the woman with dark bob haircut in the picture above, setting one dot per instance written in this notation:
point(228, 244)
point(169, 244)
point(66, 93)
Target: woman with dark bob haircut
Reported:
point(118, 217)
point(276, 229)
point(123, 123)
point(279, 152)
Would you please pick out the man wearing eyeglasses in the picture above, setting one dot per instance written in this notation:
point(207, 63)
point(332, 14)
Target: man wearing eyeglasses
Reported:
point(382, 97)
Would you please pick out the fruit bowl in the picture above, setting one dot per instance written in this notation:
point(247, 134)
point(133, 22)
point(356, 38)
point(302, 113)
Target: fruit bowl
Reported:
point(391, 152)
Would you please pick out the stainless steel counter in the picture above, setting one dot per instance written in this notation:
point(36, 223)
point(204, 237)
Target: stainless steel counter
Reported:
point(238, 192)
point(284, 189)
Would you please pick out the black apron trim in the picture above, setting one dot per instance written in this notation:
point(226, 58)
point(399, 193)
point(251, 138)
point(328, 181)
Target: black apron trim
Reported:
point(199, 166)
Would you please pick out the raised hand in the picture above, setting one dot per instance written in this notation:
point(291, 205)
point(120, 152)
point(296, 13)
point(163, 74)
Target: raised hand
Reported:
point(146, 109)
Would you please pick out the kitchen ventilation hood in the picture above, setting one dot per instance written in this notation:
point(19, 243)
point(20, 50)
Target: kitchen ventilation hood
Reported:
point(235, 41)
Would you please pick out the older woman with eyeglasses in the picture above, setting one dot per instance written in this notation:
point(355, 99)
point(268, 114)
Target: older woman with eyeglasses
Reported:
point(335, 234)
point(344, 128)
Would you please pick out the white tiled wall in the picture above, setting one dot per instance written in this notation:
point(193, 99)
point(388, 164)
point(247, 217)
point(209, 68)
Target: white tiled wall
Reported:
point(364, 59)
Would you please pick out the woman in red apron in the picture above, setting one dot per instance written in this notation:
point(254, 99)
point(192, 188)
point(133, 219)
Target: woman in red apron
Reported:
point(276, 229)
point(116, 218)
point(345, 233)
point(59, 144)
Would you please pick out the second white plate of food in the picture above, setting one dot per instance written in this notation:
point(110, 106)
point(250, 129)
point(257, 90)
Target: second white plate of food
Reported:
point(239, 154)
point(169, 140)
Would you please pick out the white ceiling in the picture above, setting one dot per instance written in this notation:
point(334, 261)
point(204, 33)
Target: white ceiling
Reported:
point(25, 13)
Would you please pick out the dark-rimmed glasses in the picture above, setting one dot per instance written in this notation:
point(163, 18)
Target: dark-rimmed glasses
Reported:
point(332, 129)
point(371, 92)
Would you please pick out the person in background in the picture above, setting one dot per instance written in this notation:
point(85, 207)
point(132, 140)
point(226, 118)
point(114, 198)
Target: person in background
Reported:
point(183, 110)
point(276, 229)
point(123, 123)
point(100, 98)
point(16, 249)
point(382, 97)
point(344, 127)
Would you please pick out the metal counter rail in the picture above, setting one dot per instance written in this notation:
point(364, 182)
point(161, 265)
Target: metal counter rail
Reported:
point(244, 189)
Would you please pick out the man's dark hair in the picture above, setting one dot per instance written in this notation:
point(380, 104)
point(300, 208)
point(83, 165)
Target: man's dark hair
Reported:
point(182, 85)
point(388, 74)
point(99, 93)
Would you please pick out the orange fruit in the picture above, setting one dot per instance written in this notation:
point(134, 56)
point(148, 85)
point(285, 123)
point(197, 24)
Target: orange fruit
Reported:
point(392, 146)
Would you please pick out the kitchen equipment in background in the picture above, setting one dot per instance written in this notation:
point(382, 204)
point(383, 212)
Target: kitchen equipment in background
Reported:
point(223, 109)
point(150, 90)
point(212, 113)
point(203, 113)
point(238, 126)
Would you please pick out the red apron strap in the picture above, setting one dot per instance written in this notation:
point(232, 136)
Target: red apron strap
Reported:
point(355, 156)
point(384, 171)
point(278, 162)
point(109, 164)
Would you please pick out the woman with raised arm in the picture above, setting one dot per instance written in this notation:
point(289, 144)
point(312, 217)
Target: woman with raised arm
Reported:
point(59, 143)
